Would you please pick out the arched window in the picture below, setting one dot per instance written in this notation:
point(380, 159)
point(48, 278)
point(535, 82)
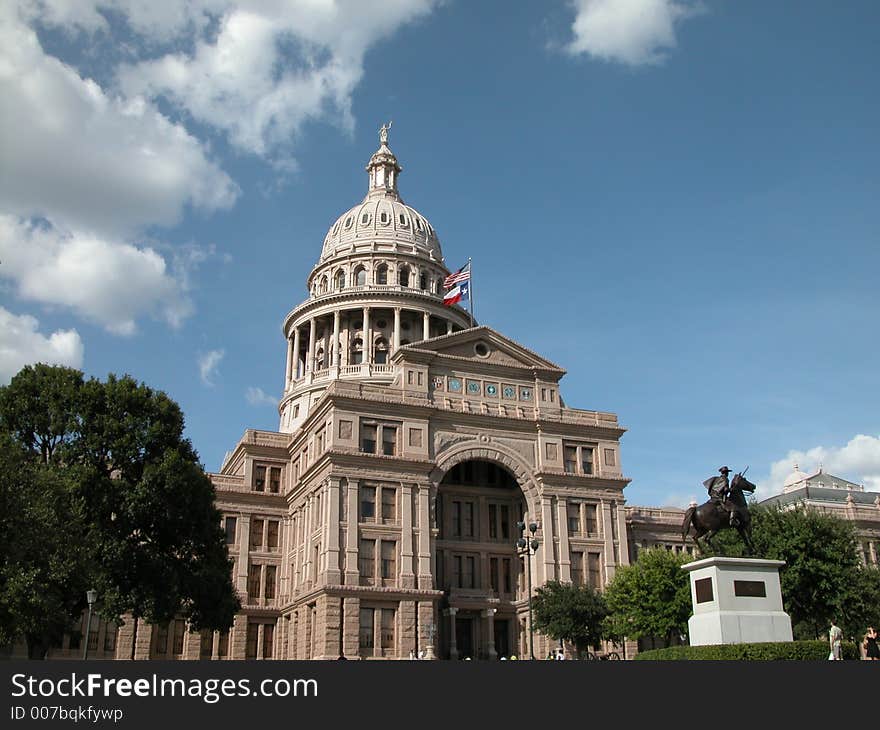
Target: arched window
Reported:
point(357, 352)
point(423, 282)
point(339, 279)
point(403, 276)
point(438, 286)
point(360, 276)
point(382, 274)
point(319, 359)
point(322, 287)
point(380, 354)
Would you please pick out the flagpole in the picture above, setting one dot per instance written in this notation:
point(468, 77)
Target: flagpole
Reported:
point(471, 289)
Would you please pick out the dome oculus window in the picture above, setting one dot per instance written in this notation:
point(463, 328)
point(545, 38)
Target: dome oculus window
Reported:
point(365, 218)
point(347, 223)
point(402, 219)
point(383, 218)
point(481, 349)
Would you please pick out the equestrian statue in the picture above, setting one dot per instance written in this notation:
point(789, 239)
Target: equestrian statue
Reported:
point(725, 508)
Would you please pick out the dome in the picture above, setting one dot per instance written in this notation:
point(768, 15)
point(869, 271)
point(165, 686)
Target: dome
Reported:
point(382, 221)
point(795, 477)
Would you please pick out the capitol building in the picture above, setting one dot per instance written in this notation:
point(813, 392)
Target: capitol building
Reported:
point(381, 519)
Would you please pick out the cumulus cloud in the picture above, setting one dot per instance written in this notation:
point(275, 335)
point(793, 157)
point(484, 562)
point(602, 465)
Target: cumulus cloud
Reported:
point(21, 343)
point(209, 362)
point(263, 69)
point(258, 397)
point(102, 281)
point(857, 461)
point(632, 32)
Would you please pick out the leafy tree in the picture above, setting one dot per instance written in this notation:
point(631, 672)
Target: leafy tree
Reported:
point(821, 578)
point(651, 597)
point(567, 612)
point(147, 515)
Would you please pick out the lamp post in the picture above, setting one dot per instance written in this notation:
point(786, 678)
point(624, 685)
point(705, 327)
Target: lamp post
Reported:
point(91, 597)
point(525, 549)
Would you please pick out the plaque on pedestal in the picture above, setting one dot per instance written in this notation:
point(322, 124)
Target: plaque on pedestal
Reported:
point(736, 601)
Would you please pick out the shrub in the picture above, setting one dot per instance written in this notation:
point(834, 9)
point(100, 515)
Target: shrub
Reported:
point(771, 651)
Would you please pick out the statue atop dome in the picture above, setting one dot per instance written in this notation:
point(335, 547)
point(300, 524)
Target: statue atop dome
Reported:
point(383, 133)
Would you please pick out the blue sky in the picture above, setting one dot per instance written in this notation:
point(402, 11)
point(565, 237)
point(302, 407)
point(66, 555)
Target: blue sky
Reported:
point(675, 201)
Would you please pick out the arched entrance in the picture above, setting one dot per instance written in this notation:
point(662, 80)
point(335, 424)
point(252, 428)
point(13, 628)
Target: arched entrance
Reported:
point(479, 504)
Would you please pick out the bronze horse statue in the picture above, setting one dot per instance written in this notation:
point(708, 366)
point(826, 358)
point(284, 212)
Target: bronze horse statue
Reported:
point(710, 517)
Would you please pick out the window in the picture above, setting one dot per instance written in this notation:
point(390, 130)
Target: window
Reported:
point(593, 569)
point(467, 522)
point(268, 640)
point(590, 515)
point(269, 590)
point(493, 574)
point(423, 282)
point(574, 519)
point(387, 629)
point(272, 535)
point(403, 276)
point(610, 459)
point(382, 274)
point(179, 630)
point(389, 440)
point(110, 638)
point(365, 634)
point(360, 276)
point(256, 542)
point(223, 645)
point(506, 578)
point(367, 562)
point(357, 352)
point(577, 568)
point(250, 651)
point(499, 521)
point(389, 504)
point(468, 579)
point(368, 438)
point(259, 478)
point(577, 459)
point(254, 581)
point(275, 480)
point(231, 523)
point(93, 640)
point(368, 503)
point(162, 639)
point(380, 353)
point(389, 560)
point(339, 279)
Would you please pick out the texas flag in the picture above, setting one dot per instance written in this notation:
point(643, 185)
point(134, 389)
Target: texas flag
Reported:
point(457, 294)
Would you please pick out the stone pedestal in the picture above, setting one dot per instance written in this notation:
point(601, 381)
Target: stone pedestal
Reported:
point(736, 601)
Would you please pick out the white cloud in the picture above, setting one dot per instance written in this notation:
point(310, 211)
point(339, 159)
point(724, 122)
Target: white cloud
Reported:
point(209, 363)
point(269, 67)
point(90, 161)
point(857, 461)
point(632, 32)
point(257, 397)
point(22, 344)
point(103, 281)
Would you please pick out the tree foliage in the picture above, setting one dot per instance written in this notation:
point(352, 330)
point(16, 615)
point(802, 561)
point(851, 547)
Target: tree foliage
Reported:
point(651, 597)
point(106, 463)
point(567, 612)
point(822, 577)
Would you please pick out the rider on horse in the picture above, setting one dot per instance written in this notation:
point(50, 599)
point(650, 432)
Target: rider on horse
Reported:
point(719, 490)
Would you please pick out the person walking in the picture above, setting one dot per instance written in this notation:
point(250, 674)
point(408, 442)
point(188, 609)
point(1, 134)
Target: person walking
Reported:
point(835, 635)
point(872, 650)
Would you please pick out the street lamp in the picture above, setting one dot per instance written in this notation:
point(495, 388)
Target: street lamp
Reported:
point(525, 549)
point(91, 597)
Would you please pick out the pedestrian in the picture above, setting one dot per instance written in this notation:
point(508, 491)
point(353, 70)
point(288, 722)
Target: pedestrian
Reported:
point(560, 655)
point(872, 650)
point(835, 635)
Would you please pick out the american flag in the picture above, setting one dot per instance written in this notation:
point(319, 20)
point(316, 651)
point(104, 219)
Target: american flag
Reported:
point(463, 274)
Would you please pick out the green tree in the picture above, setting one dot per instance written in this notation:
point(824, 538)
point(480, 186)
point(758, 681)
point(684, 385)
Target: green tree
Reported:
point(651, 597)
point(155, 545)
point(567, 612)
point(822, 578)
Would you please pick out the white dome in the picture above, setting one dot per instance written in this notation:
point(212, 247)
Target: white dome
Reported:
point(795, 477)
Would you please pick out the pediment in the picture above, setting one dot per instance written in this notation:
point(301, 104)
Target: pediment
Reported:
point(481, 345)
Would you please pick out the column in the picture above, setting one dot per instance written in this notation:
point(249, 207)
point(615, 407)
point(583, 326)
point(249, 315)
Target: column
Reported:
point(453, 647)
point(407, 579)
point(623, 540)
point(489, 614)
point(287, 375)
point(426, 580)
point(426, 325)
point(448, 326)
point(260, 631)
point(426, 628)
point(368, 337)
point(142, 640)
point(244, 542)
point(238, 637)
point(352, 574)
point(215, 646)
point(337, 360)
point(406, 620)
point(310, 362)
point(608, 536)
point(307, 540)
point(351, 627)
point(547, 546)
point(331, 529)
point(562, 526)
point(296, 345)
point(396, 343)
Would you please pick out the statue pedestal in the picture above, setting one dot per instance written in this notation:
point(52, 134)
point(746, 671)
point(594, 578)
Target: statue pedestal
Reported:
point(736, 601)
